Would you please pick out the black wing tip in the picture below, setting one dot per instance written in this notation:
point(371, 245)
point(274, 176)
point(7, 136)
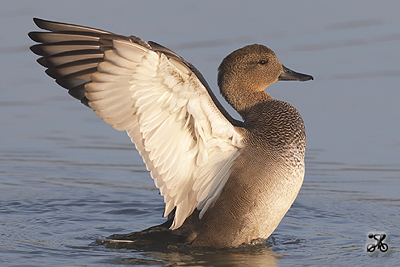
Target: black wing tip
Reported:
point(36, 49)
point(35, 36)
point(44, 62)
point(53, 73)
point(77, 92)
point(41, 23)
point(85, 101)
point(37, 20)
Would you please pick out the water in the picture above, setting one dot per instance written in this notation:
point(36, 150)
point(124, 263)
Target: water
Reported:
point(67, 179)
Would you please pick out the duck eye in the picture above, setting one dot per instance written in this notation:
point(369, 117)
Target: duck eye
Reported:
point(263, 62)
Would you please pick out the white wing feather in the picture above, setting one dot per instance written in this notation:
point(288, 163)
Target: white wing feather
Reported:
point(186, 143)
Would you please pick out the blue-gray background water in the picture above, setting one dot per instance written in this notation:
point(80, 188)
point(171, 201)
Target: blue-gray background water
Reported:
point(67, 178)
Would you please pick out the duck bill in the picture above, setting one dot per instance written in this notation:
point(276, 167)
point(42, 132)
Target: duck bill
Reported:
point(289, 75)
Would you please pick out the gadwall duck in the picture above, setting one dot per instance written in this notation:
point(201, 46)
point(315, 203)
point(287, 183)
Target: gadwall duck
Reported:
point(225, 182)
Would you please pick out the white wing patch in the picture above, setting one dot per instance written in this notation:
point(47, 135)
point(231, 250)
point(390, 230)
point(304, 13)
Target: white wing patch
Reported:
point(186, 143)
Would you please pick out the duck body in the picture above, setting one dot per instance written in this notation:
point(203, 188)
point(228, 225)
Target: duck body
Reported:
point(225, 182)
point(265, 180)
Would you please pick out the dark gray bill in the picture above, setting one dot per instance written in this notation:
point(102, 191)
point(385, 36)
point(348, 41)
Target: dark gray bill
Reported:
point(289, 75)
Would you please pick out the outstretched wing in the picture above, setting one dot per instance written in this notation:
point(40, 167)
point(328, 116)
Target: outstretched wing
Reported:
point(158, 98)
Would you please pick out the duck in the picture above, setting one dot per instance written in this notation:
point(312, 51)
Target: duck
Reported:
point(225, 182)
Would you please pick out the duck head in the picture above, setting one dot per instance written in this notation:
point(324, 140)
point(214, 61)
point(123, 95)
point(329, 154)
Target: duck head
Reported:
point(245, 73)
